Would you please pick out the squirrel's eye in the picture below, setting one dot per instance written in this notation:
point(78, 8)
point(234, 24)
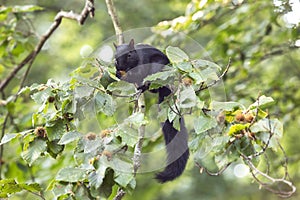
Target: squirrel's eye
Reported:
point(128, 55)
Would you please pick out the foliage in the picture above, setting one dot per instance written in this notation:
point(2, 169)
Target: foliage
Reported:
point(61, 105)
point(45, 126)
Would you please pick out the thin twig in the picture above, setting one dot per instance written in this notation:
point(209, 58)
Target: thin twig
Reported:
point(285, 164)
point(257, 109)
point(2, 146)
point(120, 194)
point(114, 17)
point(218, 173)
point(276, 52)
point(88, 9)
point(264, 148)
point(171, 108)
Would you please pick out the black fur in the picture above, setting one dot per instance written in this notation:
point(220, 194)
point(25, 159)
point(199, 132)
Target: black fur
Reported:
point(139, 61)
point(177, 149)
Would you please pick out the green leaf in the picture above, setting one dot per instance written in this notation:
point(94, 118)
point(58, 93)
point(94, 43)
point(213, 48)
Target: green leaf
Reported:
point(176, 122)
point(69, 137)
point(160, 76)
point(203, 75)
point(25, 89)
point(91, 146)
point(204, 154)
point(261, 113)
point(33, 187)
point(187, 97)
point(42, 96)
point(86, 71)
point(8, 186)
point(221, 160)
point(122, 88)
point(236, 128)
point(227, 106)
point(4, 12)
point(66, 105)
point(26, 8)
point(10, 136)
point(96, 178)
point(220, 142)
point(204, 70)
point(27, 140)
point(136, 119)
point(61, 189)
point(171, 114)
point(123, 179)
point(7, 181)
point(34, 150)
point(197, 77)
point(105, 103)
point(209, 74)
point(176, 55)
point(262, 101)
point(268, 125)
point(184, 66)
point(55, 130)
point(160, 79)
point(204, 123)
point(72, 175)
point(199, 63)
point(54, 148)
point(11, 107)
point(128, 134)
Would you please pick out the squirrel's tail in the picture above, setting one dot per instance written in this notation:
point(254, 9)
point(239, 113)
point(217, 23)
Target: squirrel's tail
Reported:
point(177, 151)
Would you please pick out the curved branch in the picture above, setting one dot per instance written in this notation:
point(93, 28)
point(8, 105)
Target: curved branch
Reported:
point(88, 9)
point(114, 17)
point(254, 171)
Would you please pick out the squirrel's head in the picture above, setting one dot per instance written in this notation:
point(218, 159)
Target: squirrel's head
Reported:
point(126, 58)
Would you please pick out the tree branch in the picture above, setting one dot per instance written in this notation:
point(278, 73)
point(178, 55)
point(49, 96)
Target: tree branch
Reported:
point(218, 173)
point(120, 194)
point(1, 147)
point(88, 9)
point(275, 52)
point(254, 171)
point(114, 17)
point(138, 147)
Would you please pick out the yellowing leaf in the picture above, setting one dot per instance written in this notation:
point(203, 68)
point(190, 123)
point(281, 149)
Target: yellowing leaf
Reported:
point(236, 128)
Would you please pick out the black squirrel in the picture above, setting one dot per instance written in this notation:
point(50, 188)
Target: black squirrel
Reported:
point(134, 63)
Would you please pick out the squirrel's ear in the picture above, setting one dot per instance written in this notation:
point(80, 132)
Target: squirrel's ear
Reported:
point(115, 45)
point(131, 44)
